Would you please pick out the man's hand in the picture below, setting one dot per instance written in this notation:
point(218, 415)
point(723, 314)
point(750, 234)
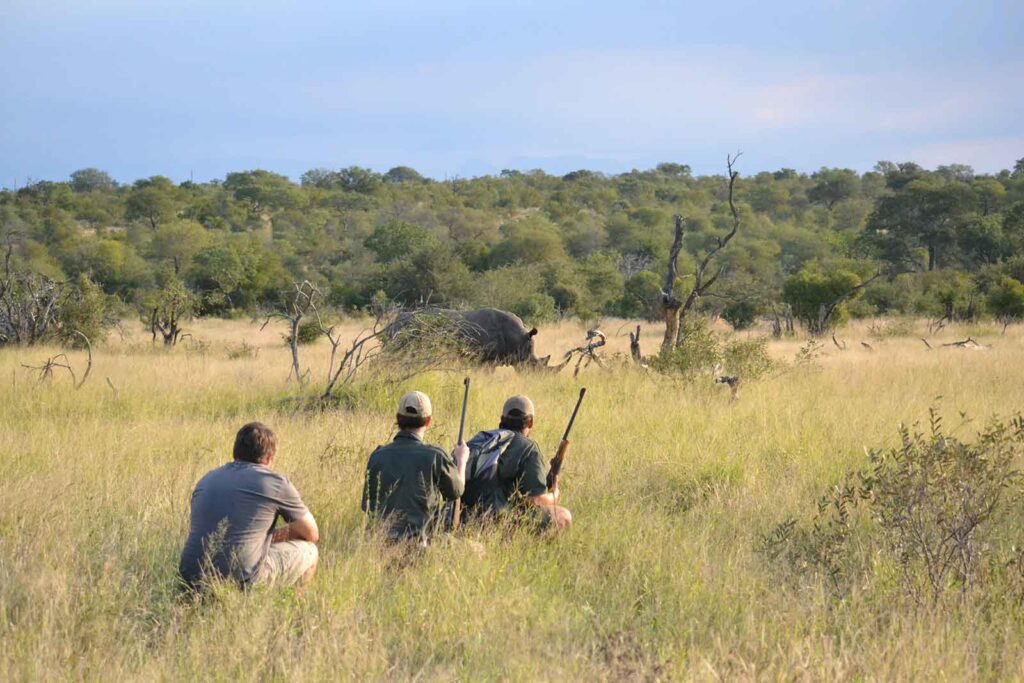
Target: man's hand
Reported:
point(461, 455)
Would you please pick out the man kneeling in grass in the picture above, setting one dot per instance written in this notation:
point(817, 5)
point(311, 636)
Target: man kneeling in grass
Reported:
point(517, 481)
point(406, 478)
point(234, 510)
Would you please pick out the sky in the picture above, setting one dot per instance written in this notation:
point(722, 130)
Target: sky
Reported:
point(459, 88)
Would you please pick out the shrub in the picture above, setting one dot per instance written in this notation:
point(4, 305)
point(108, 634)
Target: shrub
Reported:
point(747, 358)
point(923, 508)
point(309, 332)
point(699, 351)
point(741, 314)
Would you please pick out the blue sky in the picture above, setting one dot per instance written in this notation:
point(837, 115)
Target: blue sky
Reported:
point(460, 88)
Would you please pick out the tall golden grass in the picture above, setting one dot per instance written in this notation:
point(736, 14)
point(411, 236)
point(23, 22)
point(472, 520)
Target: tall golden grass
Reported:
point(670, 484)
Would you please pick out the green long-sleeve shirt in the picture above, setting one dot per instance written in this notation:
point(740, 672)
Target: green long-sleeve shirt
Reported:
point(404, 480)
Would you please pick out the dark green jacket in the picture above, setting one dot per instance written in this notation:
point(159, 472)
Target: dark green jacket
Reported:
point(404, 480)
point(521, 473)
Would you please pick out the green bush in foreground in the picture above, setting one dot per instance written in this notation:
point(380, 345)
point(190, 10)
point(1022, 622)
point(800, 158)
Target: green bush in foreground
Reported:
point(919, 521)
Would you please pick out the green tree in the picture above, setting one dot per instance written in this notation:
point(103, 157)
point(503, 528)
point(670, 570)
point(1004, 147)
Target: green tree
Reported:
point(92, 180)
point(403, 174)
point(396, 240)
point(833, 185)
point(923, 214)
point(1006, 300)
point(263, 190)
point(153, 200)
point(812, 291)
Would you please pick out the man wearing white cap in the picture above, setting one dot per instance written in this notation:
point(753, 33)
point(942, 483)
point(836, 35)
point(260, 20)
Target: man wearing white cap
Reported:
point(405, 478)
point(520, 479)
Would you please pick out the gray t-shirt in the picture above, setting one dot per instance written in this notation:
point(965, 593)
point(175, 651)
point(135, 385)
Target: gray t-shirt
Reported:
point(234, 509)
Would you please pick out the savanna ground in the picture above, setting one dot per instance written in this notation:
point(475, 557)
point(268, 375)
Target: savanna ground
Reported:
point(671, 486)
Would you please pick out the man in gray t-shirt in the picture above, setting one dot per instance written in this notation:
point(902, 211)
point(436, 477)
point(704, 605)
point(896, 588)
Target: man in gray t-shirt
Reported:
point(234, 510)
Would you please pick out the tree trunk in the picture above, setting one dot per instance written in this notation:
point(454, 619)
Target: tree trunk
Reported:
point(672, 327)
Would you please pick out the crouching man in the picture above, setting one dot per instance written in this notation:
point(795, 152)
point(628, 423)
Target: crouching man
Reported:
point(518, 484)
point(234, 510)
point(406, 479)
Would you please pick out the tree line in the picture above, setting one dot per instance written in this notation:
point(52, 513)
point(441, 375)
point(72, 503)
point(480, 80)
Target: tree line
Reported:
point(950, 242)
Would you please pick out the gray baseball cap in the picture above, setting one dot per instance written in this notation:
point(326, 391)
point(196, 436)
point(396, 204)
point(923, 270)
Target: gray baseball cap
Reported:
point(415, 404)
point(517, 406)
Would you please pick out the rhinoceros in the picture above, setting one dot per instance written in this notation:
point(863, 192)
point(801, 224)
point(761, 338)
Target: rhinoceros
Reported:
point(500, 337)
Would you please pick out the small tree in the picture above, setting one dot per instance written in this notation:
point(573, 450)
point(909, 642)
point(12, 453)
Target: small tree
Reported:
point(819, 299)
point(1006, 300)
point(164, 311)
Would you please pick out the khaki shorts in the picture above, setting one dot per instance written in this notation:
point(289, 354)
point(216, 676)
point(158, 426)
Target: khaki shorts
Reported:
point(286, 562)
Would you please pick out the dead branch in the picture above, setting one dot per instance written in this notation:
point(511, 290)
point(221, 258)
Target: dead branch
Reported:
point(634, 345)
point(841, 347)
point(88, 366)
point(61, 361)
point(926, 343)
point(47, 367)
point(588, 352)
point(826, 310)
point(867, 346)
point(964, 343)
point(935, 326)
point(113, 389)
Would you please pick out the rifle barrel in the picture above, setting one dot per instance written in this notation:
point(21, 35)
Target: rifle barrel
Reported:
point(465, 402)
point(568, 428)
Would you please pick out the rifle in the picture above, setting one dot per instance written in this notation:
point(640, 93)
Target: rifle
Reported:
point(457, 504)
point(563, 447)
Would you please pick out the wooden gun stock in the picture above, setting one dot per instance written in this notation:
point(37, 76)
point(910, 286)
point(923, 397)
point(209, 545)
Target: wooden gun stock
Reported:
point(556, 464)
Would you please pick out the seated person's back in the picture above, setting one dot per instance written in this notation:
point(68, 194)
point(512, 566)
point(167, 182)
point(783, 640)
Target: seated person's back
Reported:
point(406, 478)
point(234, 510)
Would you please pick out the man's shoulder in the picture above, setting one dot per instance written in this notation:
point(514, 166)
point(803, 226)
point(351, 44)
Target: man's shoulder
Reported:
point(523, 443)
point(242, 473)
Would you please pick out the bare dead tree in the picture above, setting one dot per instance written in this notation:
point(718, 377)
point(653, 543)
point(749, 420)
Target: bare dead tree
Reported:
point(30, 305)
point(674, 309)
point(293, 311)
point(365, 347)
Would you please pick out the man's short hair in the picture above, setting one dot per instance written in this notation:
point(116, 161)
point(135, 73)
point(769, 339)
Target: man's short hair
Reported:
point(516, 423)
point(409, 422)
point(255, 442)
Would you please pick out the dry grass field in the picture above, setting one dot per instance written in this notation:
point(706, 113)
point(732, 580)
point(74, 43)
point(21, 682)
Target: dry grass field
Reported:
point(670, 484)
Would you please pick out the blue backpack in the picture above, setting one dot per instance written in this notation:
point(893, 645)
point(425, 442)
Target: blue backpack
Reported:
point(485, 451)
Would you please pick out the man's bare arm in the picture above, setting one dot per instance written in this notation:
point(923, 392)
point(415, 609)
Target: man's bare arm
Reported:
point(303, 529)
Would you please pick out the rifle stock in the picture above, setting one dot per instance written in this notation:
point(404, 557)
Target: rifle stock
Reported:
point(556, 464)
